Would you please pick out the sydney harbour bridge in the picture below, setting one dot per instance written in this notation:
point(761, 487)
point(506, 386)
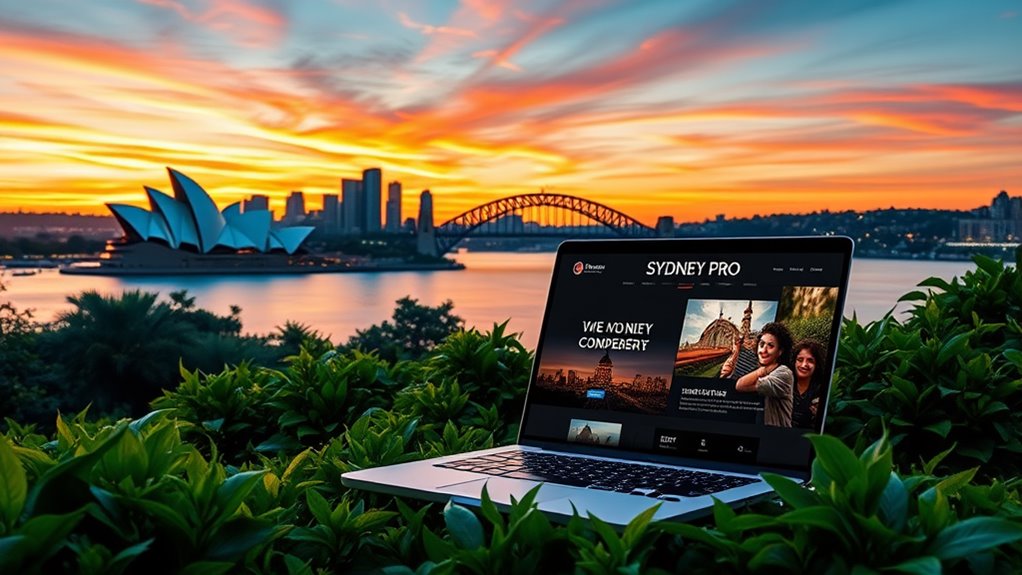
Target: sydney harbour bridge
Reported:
point(540, 214)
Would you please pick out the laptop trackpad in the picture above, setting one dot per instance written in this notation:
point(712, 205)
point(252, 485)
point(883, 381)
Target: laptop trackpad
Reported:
point(502, 489)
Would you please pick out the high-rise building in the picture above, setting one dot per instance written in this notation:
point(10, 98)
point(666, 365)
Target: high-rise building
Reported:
point(331, 212)
point(426, 240)
point(372, 191)
point(393, 207)
point(1000, 222)
point(256, 202)
point(352, 221)
point(294, 208)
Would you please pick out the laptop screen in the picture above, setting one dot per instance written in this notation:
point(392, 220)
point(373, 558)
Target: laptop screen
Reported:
point(691, 350)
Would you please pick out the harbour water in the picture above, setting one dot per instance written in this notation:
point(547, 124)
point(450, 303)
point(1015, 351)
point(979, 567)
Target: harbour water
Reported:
point(495, 286)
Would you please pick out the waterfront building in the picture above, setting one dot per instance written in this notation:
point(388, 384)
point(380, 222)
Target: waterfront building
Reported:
point(372, 191)
point(331, 212)
point(665, 227)
point(393, 207)
point(187, 231)
point(256, 202)
point(1000, 222)
point(352, 221)
point(294, 208)
point(426, 240)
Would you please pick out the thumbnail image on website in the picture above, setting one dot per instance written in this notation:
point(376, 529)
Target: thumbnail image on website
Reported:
point(759, 358)
point(594, 432)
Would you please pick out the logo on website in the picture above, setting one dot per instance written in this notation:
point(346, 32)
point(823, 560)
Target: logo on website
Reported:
point(587, 268)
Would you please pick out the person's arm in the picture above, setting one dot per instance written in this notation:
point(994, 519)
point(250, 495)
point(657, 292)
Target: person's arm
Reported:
point(777, 383)
point(747, 382)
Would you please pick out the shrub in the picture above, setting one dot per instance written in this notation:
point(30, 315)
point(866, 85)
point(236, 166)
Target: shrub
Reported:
point(239, 471)
point(948, 375)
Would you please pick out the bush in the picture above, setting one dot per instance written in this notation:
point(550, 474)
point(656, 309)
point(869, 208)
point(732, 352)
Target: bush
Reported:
point(239, 471)
point(949, 375)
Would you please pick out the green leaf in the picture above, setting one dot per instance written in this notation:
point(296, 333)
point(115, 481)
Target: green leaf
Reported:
point(779, 556)
point(932, 464)
point(637, 526)
point(464, 526)
point(836, 459)
point(436, 548)
point(490, 512)
point(953, 484)
point(60, 488)
point(893, 508)
point(935, 282)
point(278, 442)
point(169, 518)
point(941, 428)
point(318, 506)
point(913, 296)
point(928, 565)
point(609, 536)
point(238, 537)
point(1014, 356)
point(820, 517)
point(213, 425)
point(13, 485)
point(12, 551)
point(974, 535)
point(790, 492)
point(126, 556)
point(235, 488)
point(953, 347)
point(988, 264)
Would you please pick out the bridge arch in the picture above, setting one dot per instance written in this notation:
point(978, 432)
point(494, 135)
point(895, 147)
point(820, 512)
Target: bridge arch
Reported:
point(461, 226)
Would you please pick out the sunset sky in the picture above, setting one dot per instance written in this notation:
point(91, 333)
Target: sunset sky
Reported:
point(683, 108)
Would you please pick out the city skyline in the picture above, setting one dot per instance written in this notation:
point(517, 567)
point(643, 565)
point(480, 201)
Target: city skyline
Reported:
point(657, 109)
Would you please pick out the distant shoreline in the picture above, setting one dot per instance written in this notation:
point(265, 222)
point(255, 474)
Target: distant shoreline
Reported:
point(274, 270)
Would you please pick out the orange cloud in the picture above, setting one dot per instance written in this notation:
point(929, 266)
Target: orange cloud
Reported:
point(107, 118)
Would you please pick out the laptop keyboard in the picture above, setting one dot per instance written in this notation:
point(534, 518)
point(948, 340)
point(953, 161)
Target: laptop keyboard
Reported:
point(665, 483)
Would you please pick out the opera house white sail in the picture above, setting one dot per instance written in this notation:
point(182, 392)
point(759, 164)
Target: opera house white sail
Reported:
point(190, 221)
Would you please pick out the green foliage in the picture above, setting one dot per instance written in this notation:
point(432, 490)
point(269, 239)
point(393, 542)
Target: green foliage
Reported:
point(228, 407)
point(338, 532)
point(493, 368)
point(522, 542)
point(293, 336)
point(861, 516)
point(117, 352)
point(238, 469)
point(948, 375)
point(315, 396)
point(416, 330)
point(29, 391)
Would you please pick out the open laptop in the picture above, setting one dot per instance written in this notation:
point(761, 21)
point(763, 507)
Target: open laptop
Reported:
point(644, 388)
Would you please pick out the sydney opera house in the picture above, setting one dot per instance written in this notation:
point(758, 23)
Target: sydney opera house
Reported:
point(186, 233)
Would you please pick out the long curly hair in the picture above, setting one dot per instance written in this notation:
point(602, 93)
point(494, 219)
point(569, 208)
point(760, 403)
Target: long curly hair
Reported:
point(783, 337)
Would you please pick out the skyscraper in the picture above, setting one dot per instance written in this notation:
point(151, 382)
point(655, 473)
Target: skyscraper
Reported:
point(426, 240)
point(331, 212)
point(372, 191)
point(256, 203)
point(393, 207)
point(352, 221)
point(294, 209)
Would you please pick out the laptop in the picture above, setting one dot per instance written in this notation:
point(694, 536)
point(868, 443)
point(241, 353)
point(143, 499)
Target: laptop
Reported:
point(661, 378)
